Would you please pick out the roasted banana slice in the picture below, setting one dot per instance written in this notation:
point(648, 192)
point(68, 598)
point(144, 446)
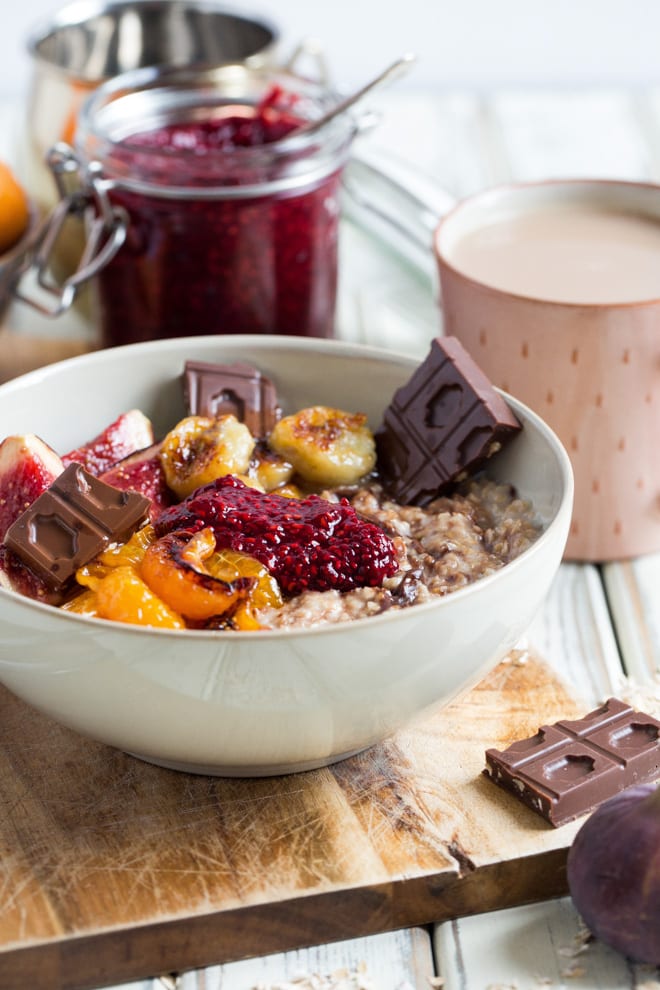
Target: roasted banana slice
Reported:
point(199, 450)
point(326, 446)
point(268, 469)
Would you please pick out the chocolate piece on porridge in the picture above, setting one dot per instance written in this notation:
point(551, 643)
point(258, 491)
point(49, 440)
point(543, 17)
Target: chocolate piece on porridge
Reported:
point(441, 426)
point(217, 389)
point(72, 521)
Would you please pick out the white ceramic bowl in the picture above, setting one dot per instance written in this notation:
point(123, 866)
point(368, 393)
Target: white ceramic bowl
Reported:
point(262, 703)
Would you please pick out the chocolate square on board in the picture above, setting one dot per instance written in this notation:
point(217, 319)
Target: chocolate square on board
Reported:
point(441, 426)
point(570, 767)
point(215, 390)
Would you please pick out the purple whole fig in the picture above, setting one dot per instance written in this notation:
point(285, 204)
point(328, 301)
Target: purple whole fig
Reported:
point(614, 873)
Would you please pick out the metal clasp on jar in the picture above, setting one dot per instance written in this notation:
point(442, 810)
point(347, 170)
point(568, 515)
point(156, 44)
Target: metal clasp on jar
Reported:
point(83, 194)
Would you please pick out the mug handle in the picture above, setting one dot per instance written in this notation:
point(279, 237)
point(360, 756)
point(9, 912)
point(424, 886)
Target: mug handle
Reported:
point(397, 202)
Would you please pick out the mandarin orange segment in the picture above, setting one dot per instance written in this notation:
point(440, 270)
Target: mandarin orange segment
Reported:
point(243, 618)
point(130, 552)
point(123, 596)
point(229, 565)
point(174, 568)
point(127, 554)
point(14, 210)
point(86, 603)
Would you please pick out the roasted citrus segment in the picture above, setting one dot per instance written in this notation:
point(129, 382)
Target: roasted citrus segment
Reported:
point(326, 446)
point(14, 210)
point(229, 565)
point(175, 569)
point(86, 603)
point(243, 618)
point(123, 596)
point(131, 552)
point(127, 554)
point(199, 450)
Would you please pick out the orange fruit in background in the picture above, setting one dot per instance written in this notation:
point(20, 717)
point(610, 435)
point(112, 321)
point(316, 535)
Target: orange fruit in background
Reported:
point(14, 212)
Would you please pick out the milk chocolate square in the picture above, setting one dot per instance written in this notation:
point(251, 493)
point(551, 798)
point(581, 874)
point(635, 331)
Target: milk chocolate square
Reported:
point(215, 390)
point(570, 767)
point(72, 521)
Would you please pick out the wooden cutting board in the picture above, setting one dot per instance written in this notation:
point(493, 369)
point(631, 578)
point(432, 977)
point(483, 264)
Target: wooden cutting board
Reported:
point(112, 869)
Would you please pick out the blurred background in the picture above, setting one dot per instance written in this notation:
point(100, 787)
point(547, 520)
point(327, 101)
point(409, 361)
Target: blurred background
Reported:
point(460, 43)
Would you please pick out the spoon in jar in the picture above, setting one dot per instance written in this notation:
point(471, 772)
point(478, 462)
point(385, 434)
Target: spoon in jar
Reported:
point(393, 71)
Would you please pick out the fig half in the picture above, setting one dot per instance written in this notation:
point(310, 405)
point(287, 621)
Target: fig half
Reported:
point(614, 873)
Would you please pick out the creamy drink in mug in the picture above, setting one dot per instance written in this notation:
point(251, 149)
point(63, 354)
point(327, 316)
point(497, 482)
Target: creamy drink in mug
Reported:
point(554, 287)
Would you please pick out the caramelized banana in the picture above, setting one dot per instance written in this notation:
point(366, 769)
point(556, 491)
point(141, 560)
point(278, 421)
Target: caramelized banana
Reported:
point(326, 446)
point(269, 469)
point(199, 450)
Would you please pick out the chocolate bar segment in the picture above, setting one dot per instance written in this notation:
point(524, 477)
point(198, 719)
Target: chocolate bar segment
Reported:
point(218, 389)
point(570, 767)
point(441, 426)
point(72, 521)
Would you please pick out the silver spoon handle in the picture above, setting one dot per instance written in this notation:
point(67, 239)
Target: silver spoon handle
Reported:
point(392, 72)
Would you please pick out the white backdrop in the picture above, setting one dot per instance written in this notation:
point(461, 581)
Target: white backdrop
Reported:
point(474, 43)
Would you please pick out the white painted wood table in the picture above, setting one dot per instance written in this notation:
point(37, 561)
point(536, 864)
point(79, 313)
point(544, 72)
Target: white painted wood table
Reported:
point(600, 627)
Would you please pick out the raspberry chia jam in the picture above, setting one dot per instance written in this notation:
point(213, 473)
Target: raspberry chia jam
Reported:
point(231, 228)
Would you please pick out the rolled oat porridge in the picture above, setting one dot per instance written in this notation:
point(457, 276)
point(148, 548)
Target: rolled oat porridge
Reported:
point(450, 543)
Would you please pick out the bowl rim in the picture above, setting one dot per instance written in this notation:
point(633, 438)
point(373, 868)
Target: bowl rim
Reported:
point(283, 343)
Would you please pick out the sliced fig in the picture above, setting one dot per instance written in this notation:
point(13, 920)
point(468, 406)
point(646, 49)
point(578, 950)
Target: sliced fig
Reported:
point(28, 466)
point(142, 472)
point(17, 576)
point(129, 433)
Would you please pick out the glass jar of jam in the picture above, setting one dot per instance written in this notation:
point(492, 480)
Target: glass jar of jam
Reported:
point(231, 218)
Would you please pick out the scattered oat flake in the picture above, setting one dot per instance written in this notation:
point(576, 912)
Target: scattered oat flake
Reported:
point(581, 942)
point(642, 697)
point(517, 657)
point(570, 952)
point(340, 979)
point(573, 972)
point(437, 982)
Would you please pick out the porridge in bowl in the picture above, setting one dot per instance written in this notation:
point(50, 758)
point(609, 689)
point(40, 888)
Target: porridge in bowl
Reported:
point(240, 518)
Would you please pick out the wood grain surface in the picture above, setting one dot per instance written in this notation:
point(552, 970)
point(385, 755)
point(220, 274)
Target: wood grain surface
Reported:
point(112, 870)
point(21, 352)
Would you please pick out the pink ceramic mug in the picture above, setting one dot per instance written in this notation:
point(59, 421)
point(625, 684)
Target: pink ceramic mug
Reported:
point(554, 288)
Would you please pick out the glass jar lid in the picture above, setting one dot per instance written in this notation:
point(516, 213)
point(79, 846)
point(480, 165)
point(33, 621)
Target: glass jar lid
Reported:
point(155, 131)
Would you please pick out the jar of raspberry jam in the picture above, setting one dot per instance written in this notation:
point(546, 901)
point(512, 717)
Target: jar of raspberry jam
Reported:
point(231, 219)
